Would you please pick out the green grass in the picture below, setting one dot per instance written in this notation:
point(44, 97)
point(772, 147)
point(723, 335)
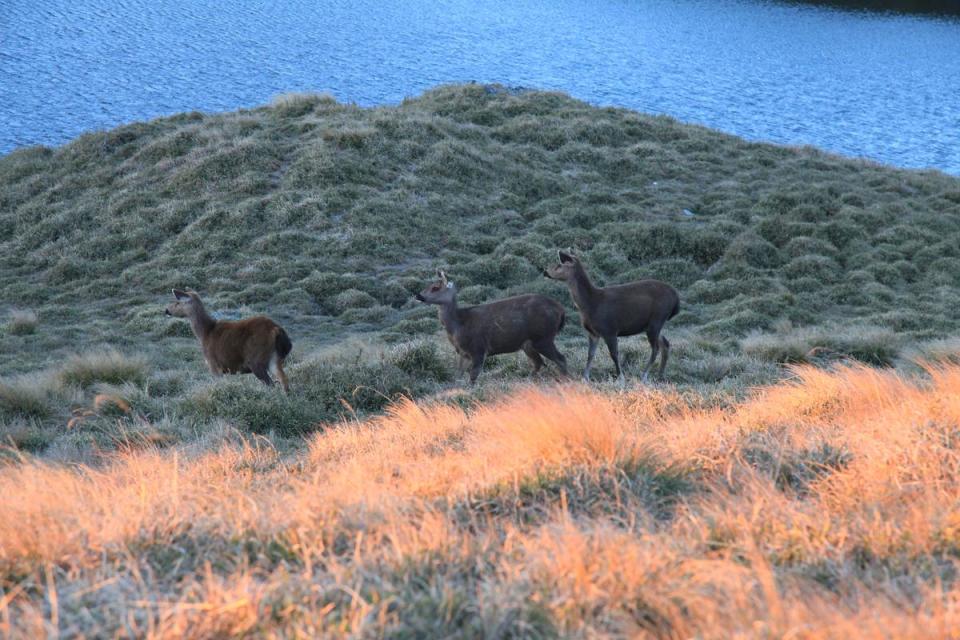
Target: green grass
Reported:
point(345, 382)
point(330, 217)
point(25, 396)
point(873, 345)
point(22, 322)
point(108, 365)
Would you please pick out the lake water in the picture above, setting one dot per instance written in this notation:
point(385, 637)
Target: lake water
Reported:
point(880, 85)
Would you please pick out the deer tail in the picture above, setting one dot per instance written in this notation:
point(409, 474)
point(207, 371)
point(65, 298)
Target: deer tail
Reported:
point(283, 345)
point(676, 309)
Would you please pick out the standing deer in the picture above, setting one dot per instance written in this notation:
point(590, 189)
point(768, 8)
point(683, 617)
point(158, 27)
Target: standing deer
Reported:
point(254, 345)
point(528, 322)
point(622, 310)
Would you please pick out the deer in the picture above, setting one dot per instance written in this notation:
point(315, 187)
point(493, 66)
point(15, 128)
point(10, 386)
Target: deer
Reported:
point(529, 322)
point(253, 345)
point(610, 312)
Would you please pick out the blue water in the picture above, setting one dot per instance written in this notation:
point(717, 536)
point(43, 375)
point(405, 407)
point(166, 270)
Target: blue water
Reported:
point(879, 85)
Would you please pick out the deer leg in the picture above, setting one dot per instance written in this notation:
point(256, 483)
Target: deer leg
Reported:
point(262, 373)
point(615, 356)
point(461, 363)
point(665, 345)
point(654, 340)
point(533, 355)
point(550, 351)
point(477, 366)
point(282, 376)
point(591, 352)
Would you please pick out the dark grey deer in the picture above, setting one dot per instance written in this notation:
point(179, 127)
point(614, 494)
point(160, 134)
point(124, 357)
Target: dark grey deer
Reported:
point(528, 322)
point(622, 310)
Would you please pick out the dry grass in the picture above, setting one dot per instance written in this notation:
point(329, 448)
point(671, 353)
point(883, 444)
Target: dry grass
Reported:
point(825, 506)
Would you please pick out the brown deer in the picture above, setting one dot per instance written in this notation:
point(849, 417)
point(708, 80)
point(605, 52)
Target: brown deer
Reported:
point(252, 345)
point(528, 322)
point(622, 310)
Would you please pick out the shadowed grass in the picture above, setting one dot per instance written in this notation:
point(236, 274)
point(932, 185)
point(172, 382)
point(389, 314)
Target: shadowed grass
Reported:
point(341, 382)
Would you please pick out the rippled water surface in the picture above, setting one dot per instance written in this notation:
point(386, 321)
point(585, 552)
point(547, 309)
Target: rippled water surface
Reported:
point(885, 86)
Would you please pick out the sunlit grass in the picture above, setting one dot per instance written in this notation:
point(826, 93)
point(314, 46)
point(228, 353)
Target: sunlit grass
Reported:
point(822, 506)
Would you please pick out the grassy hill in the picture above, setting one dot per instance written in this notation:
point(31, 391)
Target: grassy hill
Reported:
point(138, 491)
point(329, 217)
point(286, 207)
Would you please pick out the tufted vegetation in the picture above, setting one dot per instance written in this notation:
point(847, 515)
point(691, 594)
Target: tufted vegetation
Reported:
point(330, 217)
point(335, 212)
point(775, 486)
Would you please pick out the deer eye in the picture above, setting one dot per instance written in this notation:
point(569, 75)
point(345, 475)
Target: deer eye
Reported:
point(435, 287)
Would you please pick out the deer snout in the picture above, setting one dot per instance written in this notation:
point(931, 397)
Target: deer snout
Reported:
point(419, 297)
point(166, 312)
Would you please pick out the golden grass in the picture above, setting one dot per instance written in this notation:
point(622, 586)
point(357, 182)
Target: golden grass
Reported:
point(825, 506)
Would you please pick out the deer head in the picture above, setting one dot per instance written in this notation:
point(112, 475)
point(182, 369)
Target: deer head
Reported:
point(443, 291)
point(185, 304)
point(565, 269)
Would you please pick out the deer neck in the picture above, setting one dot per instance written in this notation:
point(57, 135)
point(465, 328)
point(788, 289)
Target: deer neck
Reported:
point(449, 316)
point(582, 289)
point(200, 321)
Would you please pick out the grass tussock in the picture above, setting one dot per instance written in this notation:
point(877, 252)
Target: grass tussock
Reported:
point(824, 344)
point(820, 506)
point(22, 322)
point(108, 365)
point(945, 350)
point(26, 396)
point(346, 381)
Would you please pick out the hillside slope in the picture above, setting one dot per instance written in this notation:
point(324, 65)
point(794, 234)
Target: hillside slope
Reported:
point(329, 217)
point(286, 207)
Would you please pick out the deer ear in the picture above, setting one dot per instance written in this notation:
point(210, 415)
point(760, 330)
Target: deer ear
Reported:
point(565, 257)
point(181, 295)
point(442, 275)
